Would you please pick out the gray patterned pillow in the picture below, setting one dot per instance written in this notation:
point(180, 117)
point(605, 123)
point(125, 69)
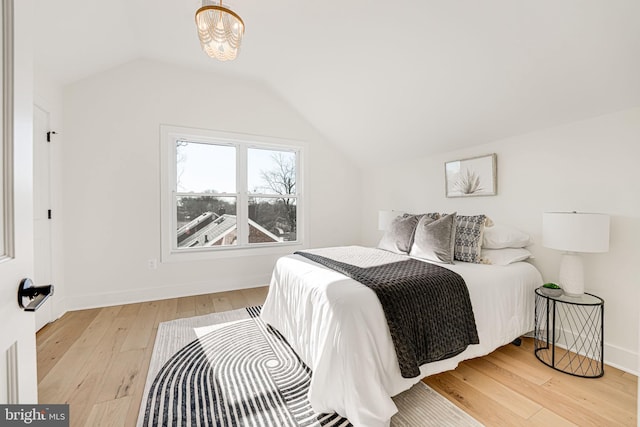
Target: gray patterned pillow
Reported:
point(399, 237)
point(434, 239)
point(469, 229)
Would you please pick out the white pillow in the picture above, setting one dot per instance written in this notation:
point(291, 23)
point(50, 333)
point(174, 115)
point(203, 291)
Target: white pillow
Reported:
point(504, 256)
point(504, 236)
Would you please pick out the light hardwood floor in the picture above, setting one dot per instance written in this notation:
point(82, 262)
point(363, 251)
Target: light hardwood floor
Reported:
point(96, 360)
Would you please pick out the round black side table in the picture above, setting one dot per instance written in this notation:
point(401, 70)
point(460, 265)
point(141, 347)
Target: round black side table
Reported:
point(569, 333)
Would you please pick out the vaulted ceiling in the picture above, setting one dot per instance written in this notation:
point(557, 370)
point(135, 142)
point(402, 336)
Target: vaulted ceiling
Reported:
point(382, 79)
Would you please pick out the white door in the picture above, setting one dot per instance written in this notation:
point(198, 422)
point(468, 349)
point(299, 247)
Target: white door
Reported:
point(18, 379)
point(41, 210)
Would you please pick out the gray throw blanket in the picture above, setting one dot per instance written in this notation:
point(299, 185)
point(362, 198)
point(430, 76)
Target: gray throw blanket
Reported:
point(427, 307)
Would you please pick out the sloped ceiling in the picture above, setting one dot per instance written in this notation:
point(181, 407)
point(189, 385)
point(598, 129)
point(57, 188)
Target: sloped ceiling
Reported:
point(382, 80)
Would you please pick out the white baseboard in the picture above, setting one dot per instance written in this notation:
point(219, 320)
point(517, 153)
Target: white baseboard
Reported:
point(621, 358)
point(55, 310)
point(615, 356)
point(153, 293)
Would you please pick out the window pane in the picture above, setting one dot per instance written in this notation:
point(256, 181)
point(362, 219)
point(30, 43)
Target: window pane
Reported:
point(272, 220)
point(205, 221)
point(205, 168)
point(271, 171)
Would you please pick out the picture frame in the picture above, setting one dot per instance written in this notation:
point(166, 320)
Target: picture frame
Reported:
point(471, 177)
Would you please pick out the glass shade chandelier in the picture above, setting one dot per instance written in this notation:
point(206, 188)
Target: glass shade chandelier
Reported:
point(220, 30)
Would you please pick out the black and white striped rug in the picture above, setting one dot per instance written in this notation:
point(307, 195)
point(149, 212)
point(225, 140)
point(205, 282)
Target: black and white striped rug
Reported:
point(231, 369)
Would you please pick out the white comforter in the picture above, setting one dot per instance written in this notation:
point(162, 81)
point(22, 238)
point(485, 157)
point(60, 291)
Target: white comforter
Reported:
point(337, 326)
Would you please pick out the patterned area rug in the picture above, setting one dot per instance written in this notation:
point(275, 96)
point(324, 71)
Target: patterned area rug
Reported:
point(231, 369)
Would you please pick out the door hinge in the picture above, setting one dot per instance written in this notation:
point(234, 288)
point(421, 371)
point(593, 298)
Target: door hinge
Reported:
point(51, 132)
point(48, 213)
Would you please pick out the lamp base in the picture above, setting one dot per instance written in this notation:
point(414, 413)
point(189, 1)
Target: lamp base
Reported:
point(572, 274)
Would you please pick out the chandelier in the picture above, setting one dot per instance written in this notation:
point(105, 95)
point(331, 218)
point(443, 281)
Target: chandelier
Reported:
point(220, 30)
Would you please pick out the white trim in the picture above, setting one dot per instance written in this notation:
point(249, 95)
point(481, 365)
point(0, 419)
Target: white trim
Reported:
point(154, 293)
point(7, 134)
point(242, 207)
point(615, 356)
point(620, 358)
point(206, 253)
point(168, 214)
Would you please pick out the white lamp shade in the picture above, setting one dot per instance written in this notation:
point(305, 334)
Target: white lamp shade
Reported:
point(385, 218)
point(575, 231)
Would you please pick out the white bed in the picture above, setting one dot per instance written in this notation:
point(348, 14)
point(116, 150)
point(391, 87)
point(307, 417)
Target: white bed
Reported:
point(336, 325)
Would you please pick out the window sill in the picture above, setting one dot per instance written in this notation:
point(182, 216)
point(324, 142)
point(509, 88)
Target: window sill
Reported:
point(187, 255)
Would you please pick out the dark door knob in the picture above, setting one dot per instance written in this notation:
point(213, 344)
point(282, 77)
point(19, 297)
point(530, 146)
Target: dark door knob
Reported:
point(37, 295)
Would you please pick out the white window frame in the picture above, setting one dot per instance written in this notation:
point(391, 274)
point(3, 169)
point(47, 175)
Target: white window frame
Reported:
point(169, 135)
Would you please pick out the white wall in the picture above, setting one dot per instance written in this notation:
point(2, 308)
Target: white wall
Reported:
point(110, 189)
point(589, 166)
point(111, 178)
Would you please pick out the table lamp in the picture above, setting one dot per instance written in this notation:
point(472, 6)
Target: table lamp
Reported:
point(574, 232)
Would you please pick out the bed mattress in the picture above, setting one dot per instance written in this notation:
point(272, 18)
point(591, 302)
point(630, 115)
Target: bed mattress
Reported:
point(337, 327)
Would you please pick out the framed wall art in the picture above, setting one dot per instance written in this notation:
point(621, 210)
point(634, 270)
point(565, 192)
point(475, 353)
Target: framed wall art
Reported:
point(476, 176)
